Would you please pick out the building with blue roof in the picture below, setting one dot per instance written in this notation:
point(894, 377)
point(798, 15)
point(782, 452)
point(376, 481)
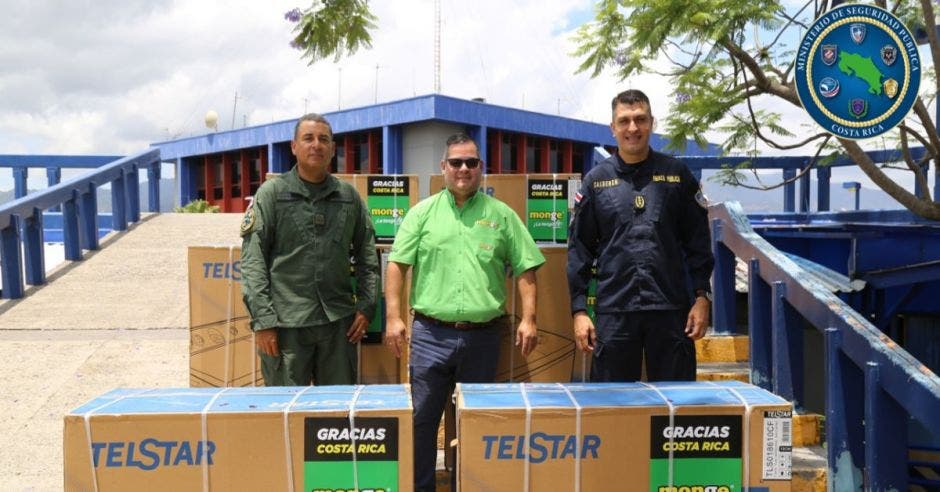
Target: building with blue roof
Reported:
point(398, 137)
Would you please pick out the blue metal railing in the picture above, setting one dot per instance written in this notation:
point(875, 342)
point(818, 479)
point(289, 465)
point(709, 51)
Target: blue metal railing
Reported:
point(873, 386)
point(21, 219)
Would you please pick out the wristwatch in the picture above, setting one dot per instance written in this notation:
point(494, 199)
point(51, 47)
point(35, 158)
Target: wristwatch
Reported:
point(704, 293)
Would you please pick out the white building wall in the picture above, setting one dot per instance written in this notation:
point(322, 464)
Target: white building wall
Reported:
point(422, 148)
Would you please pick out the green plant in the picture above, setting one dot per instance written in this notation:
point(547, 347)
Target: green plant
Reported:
point(198, 206)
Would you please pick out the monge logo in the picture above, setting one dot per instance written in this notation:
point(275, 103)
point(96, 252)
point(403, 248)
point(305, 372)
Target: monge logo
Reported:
point(857, 71)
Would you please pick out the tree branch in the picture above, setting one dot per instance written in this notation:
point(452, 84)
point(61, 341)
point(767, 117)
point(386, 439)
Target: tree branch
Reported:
point(763, 82)
point(924, 208)
point(931, 26)
point(915, 167)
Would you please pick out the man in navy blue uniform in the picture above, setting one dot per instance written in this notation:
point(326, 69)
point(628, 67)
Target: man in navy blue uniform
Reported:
point(641, 216)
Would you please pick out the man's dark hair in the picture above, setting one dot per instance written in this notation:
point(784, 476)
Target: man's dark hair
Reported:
point(315, 117)
point(459, 138)
point(630, 97)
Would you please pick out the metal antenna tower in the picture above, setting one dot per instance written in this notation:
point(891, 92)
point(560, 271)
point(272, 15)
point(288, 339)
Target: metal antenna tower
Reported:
point(437, 46)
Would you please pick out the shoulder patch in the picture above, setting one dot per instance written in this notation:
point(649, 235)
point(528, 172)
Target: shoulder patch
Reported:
point(248, 221)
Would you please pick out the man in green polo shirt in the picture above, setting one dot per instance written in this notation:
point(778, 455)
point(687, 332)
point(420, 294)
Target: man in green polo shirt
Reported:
point(459, 243)
point(297, 239)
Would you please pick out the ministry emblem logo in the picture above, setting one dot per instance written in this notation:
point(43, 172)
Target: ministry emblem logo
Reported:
point(858, 71)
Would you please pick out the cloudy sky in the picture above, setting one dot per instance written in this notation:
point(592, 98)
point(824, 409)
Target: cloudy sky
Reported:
point(111, 77)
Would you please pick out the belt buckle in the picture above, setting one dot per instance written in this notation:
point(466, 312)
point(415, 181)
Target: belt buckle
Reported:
point(462, 325)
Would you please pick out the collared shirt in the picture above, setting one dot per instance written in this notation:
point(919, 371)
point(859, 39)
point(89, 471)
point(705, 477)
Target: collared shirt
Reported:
point(297, 243)
point(646, 229)
point(460, 255)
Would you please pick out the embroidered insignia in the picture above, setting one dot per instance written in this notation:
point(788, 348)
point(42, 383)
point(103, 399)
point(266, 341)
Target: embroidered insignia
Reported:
point(891, 88)
point(858, 32)
point(858, 107)
point(889, 54)
point(829, 87)
point(829, 53)
point(639, 202)
point(248, 221)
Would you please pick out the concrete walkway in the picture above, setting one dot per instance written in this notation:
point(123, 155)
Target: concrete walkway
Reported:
point(119, 318)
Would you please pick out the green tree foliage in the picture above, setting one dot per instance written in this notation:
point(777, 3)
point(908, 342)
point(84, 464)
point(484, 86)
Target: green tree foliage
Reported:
point(197, 206)
point(334, 28)
point(724, 54)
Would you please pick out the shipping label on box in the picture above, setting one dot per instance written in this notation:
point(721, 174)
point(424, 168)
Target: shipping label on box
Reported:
point(306, 438)
point(660, 437)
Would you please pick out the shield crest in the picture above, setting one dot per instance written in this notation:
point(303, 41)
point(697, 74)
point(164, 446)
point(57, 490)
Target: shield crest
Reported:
point(829, 53)
point(858, 107)
point(829, 87)
point(889, 54)
point(857, 31)
point(891, 88)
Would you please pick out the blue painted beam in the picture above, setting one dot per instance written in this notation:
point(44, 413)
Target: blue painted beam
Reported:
point(20, 176)
point(723, 305)
point(845, 431)
point(789, 191)
point(758, 319)
point(153, 187)
point(908, 274)
point(823, 177)
point(71, 238)
point(33, 249)
point(792, 162)
point(56, 161)
point(885, 435)
point(10, 260)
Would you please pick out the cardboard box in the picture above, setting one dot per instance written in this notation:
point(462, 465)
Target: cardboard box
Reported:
point(626, 436)
point(388, 198)
point(542, 201)
point(221, 343)
point(222, 349)
point(555, 358)
point(241, 439)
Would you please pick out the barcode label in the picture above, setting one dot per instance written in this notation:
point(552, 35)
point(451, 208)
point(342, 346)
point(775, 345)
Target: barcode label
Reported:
point(778, 445)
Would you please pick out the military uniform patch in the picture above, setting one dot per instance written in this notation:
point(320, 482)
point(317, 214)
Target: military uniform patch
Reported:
point(248, 221)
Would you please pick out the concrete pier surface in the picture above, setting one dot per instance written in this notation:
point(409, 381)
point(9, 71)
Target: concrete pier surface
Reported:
point(118, 318)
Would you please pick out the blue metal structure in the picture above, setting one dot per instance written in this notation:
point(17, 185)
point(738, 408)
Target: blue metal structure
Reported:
point(21, 221)
point(53, 164)
point(873, 386)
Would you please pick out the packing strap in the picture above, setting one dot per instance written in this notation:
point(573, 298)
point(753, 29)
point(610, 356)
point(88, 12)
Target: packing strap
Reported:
point(672, 423)
point(86, 417)
point(352, 435)
point(747, 435)
point(203, 418)
point(577, 436)
point(229, 346)
point(287, 444)
point(528, 435)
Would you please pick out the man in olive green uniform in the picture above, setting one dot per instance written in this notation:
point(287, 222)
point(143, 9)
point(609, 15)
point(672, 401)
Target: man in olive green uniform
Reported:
point(459, 243)
point(297, 239)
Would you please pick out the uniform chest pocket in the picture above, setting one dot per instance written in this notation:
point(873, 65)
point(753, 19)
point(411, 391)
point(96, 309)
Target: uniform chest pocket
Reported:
point(340, 220)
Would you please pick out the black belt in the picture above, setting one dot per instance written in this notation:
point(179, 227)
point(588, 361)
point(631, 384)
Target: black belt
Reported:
point(459, 325)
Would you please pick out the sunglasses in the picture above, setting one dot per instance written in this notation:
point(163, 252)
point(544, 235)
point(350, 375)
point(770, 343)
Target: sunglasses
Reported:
point(471, 162)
